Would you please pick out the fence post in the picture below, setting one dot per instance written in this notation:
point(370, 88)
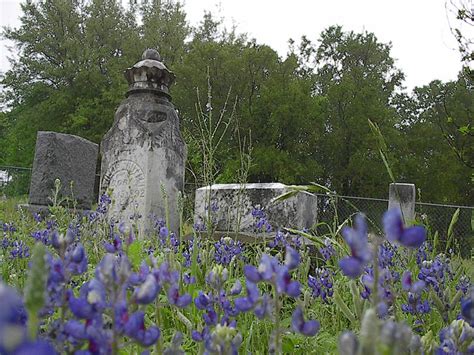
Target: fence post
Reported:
point(403, 196)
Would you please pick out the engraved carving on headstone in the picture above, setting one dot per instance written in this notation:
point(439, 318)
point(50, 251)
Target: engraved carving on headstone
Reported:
point(129, 188)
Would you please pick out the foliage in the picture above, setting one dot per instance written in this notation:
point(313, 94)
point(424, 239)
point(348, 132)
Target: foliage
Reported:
point(106, 290)
point(307, 112)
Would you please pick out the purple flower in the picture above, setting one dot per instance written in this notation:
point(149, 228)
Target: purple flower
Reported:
point(467, 308)
point(321, 284)
point(409, 285)
point(146, 293)
point(135, 328)
point(412, 237)
point(292, 258)
point(245, 304)
point(353, 266)
point(115, 246)
point(236, 288)
point(203, 301)
point(175, 299)
point(309, 328)
point(226, 249)
point(328, 250)
point(38, 347)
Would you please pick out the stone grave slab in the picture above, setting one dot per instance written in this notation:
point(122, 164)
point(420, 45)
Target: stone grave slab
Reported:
point(232, 205)
point(70, 159)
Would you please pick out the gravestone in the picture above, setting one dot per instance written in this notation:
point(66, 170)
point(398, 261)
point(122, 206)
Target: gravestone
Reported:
point(67, 158)
point(143, 153)
point(402, 196)
point(231, 207)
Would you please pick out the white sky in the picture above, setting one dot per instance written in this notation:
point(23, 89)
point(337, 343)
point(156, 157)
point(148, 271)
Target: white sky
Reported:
point(423, 46)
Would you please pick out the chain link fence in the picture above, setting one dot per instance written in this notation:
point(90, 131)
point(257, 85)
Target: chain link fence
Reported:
point(332, 209)
point(437, 217)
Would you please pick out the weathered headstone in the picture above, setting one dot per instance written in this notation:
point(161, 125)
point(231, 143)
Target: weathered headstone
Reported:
point(143, 153)
point(403, 196)
point(67, 158)
point(231, 207)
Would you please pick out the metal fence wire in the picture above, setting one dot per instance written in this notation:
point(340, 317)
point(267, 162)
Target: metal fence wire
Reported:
point(15, 182)
point(437, 218)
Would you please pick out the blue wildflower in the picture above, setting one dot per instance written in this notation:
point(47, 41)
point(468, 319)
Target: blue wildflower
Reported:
point(356, 238)
point(412, 237)
point(308, 328)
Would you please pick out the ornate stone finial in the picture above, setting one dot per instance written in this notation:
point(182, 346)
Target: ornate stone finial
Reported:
point(149, 75)
point(151, 53)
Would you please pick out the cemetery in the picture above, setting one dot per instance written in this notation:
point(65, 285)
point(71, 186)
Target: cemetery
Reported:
point(114, 251)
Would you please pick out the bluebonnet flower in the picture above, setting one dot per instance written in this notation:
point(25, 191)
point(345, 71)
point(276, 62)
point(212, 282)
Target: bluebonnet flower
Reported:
point(467, 308)
point(5, 243)
point(223, 339)
point(270, 270)
point(356, 238)
point(261, 222)
point(245, 304)
point(19, 250)
point(321, 284)
point(457, 338)
point(147, 291)
point(188, 252)
point(412, 237)
point(386, 254)
point(176, 299)
point(308, 328)
point(199, 226)
point(435, 273)
point(135, 329)
point(463, 284)
point(409, 285)
point(188, 279)
point(101, 210)
point(13, 339)
point(423, 252)
point(8, 228)
point(385, 284)
point(328, 250)
point(415, 303)
point(42, 236)
point(115, 246)
point(226, 249)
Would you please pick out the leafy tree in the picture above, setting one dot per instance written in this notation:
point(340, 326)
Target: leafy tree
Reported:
point(356, 77)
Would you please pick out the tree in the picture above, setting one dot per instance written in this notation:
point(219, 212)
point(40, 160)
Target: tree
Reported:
point(356, 77)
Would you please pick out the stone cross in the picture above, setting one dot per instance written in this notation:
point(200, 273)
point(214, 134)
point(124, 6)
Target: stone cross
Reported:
point(143, 153)
point(67, 158)
point(403, 196)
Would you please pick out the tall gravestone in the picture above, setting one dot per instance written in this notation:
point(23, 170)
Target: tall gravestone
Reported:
point(143, 153)
point(70, 159)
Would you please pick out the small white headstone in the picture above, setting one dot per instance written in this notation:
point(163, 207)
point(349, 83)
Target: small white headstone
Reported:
point(403, 196)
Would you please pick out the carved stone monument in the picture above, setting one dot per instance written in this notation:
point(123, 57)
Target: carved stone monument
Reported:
point(232, 206)
point(144, 153)
point(402, 196)
point(67, 158)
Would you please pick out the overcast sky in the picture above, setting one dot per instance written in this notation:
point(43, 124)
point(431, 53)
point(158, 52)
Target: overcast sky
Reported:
point(422, 44)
